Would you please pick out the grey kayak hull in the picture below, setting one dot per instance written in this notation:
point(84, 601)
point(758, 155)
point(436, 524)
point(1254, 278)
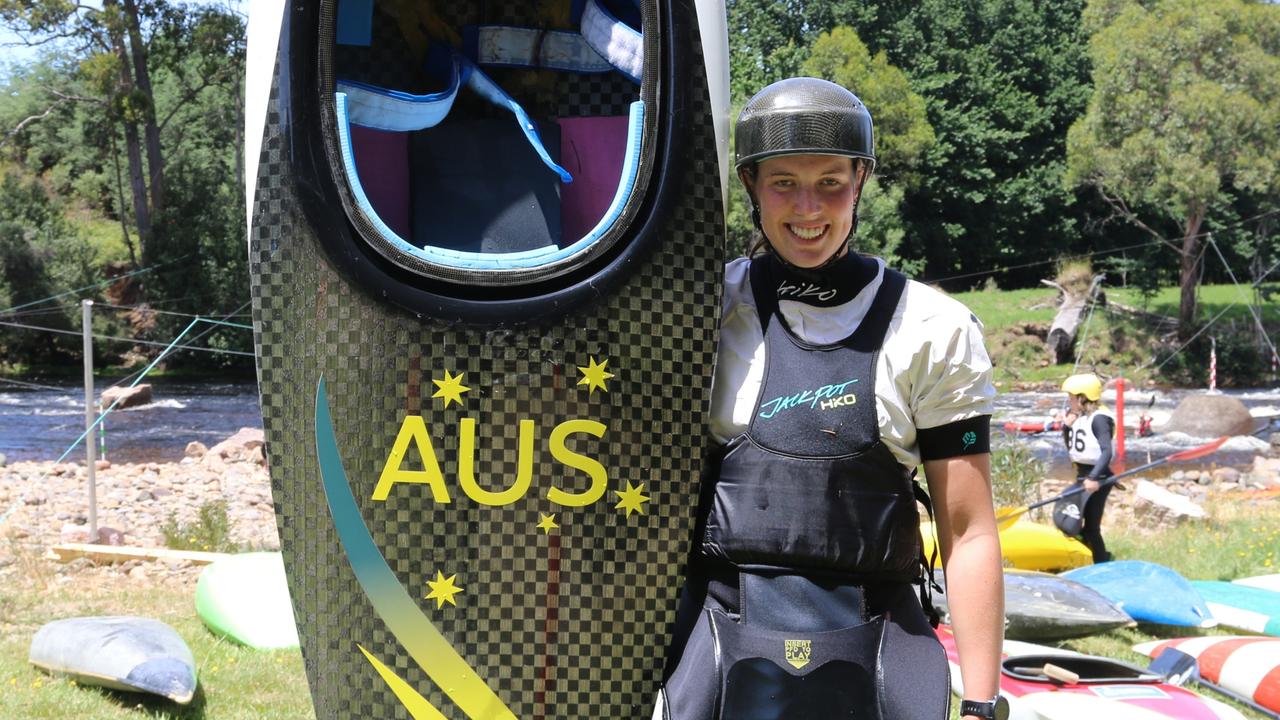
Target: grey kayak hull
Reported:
point(135, 654)
point(1040, 606)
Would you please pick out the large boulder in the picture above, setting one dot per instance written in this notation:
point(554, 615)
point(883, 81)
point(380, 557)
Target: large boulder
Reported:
point(239, 446)
point(128, 396)
point(1210, 416)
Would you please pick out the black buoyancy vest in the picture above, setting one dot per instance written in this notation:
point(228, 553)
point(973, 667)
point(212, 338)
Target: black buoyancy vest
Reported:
point(810, 486)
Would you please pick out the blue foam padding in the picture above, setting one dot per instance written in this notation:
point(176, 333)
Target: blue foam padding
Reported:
point(355, 22)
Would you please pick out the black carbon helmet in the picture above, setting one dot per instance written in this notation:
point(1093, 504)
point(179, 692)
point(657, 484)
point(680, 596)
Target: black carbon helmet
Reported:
point(803, 115)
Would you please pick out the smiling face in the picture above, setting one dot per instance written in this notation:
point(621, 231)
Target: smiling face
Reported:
point(806, 204)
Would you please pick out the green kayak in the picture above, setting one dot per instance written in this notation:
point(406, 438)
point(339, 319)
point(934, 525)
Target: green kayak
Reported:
point(246, 598)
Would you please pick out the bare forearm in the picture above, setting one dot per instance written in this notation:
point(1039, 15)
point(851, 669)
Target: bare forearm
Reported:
point(975, 597)
point(961, 492)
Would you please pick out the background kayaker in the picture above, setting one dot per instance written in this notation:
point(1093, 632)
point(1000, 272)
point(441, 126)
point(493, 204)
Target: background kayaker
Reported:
point(1087, 431)
point(836, 377)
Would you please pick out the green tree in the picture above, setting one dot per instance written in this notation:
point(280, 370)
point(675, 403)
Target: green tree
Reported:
point(36, 245)
point(902, 129)
point(902, 135)
point(1001, 79)
point(66, 120)
point(1185, 111)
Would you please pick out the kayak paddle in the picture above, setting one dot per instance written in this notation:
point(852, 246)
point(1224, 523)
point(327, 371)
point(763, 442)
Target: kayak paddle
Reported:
point(1008, 516)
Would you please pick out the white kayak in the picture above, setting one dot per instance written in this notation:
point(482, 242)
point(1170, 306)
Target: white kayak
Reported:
point(1265, 582)
point(1129, 694)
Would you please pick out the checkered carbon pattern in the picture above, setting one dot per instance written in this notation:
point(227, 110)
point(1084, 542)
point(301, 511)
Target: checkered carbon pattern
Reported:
point(594, 647)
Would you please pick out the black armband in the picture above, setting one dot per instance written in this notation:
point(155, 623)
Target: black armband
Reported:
point(971, 436)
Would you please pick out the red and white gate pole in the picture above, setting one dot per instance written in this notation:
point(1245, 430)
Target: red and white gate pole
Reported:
point(1213, 364)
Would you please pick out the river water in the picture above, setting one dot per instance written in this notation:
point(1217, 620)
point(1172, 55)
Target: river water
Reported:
point(40, 423)
point(1263, 403)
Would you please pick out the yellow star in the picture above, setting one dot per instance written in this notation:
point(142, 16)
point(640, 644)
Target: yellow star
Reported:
point(548, 523)
point(443, 590)
point(593, 376)
point(450, 388)
point(631, 499)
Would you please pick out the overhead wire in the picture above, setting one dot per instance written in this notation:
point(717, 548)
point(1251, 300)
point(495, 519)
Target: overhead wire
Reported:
point(38, 386)
point(122, 380)
point(1253, 312)
point(102, 283)
point(148, 308)
point(117, 338)
point(1153, 241)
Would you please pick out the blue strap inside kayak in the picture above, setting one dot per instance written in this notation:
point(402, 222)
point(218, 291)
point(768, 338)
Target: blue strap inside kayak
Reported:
point(383, 109)
point(493, 261)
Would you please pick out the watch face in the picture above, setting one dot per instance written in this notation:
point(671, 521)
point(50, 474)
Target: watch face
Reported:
point(996, 709)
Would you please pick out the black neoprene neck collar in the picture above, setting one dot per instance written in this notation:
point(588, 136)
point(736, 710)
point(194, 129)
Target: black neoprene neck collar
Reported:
point(835, 283)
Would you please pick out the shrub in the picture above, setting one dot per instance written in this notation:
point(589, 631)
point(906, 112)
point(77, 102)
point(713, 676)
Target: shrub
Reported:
point(1015, 474)
point(211, 531)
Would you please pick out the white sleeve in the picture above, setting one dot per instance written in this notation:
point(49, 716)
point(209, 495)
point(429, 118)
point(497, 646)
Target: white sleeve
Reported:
point(950, 375)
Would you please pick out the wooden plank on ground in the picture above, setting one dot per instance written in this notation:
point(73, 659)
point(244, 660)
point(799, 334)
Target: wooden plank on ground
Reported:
point(123, 553)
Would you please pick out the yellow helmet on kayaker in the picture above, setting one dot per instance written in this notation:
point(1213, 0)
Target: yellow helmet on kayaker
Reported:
point(1086, 384)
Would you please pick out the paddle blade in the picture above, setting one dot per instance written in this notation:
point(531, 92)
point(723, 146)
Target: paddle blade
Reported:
point(1007, 516)
point(1175, 666)
point(1199, 452)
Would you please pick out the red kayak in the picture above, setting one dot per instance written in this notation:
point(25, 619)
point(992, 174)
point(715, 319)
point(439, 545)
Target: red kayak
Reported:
point(1045, 683)
point(1244, 664)
point(1033, 427)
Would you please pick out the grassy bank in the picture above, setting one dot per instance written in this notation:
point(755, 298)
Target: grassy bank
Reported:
point(235, 682)
point(1129, 337)
point(1240, 538)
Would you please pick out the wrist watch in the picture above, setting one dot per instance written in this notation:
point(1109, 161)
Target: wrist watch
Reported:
point(997, 708)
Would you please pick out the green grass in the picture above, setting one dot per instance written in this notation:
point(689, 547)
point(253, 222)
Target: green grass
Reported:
point(1005, 308)
point(1211, 299)
point(1115, 344)
point(235, 682)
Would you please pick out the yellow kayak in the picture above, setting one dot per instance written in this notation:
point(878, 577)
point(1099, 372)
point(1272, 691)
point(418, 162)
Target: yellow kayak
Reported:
point(1028, 545)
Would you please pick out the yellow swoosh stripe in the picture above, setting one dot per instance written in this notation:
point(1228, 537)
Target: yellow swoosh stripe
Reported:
point(419, 707)
point(393, 604)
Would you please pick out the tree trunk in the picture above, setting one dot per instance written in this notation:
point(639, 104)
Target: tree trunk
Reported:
point(1190, 258)
point(1061, 340)
point(124, 223)
point(142, 76)
point(133, 144)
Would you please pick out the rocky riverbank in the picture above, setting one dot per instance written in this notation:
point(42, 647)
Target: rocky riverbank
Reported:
point(135, 501)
